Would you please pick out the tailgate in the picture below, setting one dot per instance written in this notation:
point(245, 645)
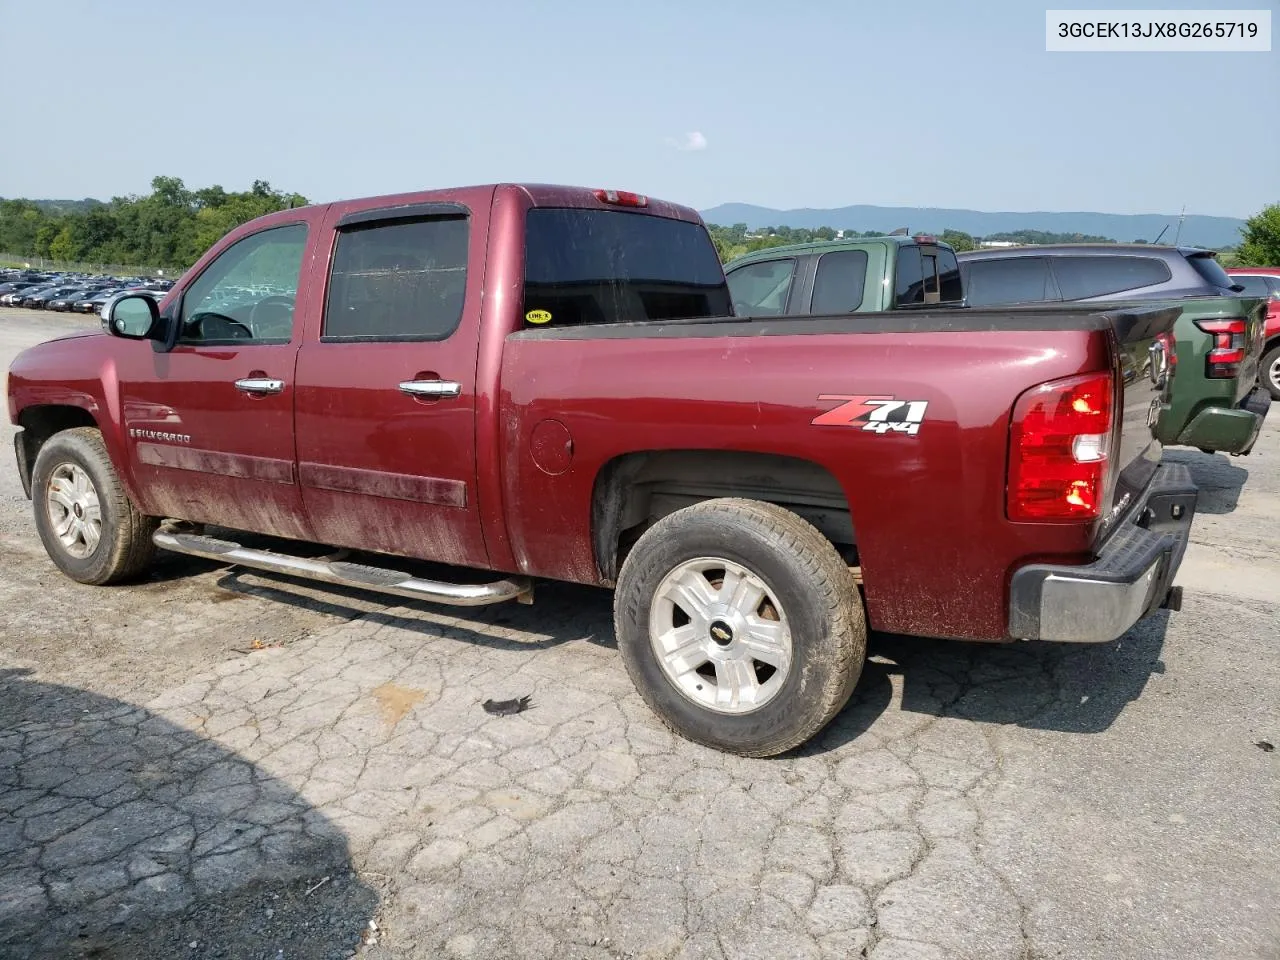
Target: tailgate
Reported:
point(1255, 338)
point(1146, 377)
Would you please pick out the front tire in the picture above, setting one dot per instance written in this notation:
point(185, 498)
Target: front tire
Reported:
point(89, 526)
point(740, 626)
point(1269, 373)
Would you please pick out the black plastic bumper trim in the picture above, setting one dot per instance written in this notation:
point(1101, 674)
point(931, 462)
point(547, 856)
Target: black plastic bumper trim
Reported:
point(1131, 577)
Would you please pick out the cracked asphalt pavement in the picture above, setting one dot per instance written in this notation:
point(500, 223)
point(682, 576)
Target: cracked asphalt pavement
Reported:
point(221, 763)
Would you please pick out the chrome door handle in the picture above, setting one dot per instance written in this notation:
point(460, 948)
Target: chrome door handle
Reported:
point(260, 385)
point(431, 388)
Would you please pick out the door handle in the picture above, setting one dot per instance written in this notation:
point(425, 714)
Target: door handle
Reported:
point(260, 385)
point(431, 388)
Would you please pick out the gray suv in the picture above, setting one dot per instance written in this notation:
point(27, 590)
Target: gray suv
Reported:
point(1091, 271)
point(1217, 403)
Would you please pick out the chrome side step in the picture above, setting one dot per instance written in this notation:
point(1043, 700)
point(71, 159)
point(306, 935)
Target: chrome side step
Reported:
point(346, 574)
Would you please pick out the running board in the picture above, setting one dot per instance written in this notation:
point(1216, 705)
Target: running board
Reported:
point(348, 574)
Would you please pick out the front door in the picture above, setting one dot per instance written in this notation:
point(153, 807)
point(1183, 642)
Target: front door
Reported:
point(210, 423)
point(386, 399)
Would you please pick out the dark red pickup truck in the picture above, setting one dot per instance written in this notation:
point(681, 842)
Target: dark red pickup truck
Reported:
point(548, 382)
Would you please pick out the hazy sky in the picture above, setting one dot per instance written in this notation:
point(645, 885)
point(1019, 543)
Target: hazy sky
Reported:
point(818, 103)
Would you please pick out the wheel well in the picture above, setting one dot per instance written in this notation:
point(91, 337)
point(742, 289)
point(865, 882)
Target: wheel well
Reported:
point(38, 425)
point(634, 491)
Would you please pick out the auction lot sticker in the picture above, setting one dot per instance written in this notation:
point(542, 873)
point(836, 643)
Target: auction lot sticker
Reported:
point(1157, 31)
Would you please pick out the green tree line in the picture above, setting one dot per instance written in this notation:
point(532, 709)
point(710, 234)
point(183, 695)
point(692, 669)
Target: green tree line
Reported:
point(170, 227)
point(173, 225)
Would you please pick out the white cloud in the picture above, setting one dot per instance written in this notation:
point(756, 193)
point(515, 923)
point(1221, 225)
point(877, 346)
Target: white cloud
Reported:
point(693, 140)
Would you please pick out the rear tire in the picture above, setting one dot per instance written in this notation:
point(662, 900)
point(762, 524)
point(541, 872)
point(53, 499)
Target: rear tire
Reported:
point(89, 526)
point(740, 625)
point(1269, 372)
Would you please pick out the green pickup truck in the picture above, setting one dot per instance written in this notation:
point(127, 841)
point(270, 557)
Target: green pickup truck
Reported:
point(844, 276)
point(1217, 403)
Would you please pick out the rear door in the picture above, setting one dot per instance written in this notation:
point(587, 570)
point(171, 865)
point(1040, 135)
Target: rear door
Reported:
point(387, 399)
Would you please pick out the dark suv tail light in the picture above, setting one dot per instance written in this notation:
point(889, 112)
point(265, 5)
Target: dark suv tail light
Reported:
point(1224, 359)
point(1059, 446)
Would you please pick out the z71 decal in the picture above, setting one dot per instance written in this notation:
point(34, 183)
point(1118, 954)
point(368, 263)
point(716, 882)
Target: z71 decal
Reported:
point(876, 414)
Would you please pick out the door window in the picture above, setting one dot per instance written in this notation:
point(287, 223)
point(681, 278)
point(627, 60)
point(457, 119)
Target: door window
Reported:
point(761, 289)
point(247, 294)
point(1083, 277)
point(398, 280)
point(1010, 280)
point(839, 282)
point(1254, 286)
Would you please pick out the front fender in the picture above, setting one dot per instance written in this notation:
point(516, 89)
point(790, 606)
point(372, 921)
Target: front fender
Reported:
point(67, 383)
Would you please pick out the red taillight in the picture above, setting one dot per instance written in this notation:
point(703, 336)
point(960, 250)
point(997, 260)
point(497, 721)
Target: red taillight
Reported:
point(622, 198)
point(1224, 359)
point(1059, 445)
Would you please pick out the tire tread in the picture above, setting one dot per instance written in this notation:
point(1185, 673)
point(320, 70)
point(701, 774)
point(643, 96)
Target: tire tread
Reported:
point(834, 592)
point(132, 548)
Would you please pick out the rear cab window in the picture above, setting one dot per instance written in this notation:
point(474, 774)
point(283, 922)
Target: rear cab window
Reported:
point(908, 288)
point(927, 274)
point(609, 266)
point(1082, 277)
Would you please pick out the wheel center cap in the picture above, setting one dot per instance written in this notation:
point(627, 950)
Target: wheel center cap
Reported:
point(721, 633)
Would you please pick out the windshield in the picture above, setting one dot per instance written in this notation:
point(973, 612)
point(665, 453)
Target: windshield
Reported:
point(607, 266)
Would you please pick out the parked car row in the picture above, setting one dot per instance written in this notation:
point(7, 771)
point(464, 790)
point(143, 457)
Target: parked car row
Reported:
point(1227, 333)
point(69, 292)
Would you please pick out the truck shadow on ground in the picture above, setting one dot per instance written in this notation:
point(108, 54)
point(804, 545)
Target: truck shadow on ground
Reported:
point(123, 835)
point(1216, 474)
point(1066, 688)
point(1070, 688)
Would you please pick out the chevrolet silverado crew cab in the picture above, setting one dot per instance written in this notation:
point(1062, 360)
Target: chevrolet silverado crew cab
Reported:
point(549, 383)
point(863, 275)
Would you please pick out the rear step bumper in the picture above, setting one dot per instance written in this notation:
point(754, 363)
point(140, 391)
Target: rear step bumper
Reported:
point(345, 574)
point(1232, 430)
point(1132, 576)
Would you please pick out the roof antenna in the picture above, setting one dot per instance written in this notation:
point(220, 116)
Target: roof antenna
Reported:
point(1159, 235)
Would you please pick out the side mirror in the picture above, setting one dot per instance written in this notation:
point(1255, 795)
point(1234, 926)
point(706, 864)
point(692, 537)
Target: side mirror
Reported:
point(133, 316)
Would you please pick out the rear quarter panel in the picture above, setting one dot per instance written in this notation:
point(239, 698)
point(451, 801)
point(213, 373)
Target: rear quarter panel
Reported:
point(928, 510)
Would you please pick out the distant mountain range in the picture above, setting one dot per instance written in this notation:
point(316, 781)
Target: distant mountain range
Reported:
point(1197, 231)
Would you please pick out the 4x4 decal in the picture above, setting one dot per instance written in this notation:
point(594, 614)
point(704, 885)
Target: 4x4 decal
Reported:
point(876, 414)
